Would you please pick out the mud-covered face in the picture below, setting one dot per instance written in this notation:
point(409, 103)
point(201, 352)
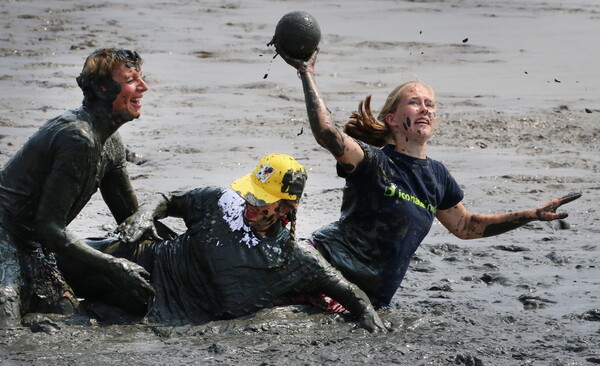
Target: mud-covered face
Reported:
point(261, 218)
point(128, 102)
point(416, 112)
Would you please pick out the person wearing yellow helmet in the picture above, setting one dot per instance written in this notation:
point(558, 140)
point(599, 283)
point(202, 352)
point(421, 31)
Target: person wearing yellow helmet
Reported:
point(236, 256)
point(271, 194)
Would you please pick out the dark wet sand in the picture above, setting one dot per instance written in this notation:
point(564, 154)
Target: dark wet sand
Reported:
point(517, 88)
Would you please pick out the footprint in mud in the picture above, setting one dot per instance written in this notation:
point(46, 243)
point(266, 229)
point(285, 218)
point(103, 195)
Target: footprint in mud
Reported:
point(591, 315)
point(492, 279)
point(512, 248)
point(557, 258)
point(442, 288)
point(467, 360)
point(218, 348)
point(135, 158)
point(534, 302)
point(40, 323)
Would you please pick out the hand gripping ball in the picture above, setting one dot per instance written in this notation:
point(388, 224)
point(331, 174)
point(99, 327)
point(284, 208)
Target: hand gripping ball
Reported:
point(298, 34)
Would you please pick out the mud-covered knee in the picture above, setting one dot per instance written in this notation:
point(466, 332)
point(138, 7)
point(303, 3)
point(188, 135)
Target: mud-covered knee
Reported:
point(9, 307)
point(8, 294)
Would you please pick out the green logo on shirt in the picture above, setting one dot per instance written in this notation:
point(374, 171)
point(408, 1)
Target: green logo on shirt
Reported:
point(393, 191)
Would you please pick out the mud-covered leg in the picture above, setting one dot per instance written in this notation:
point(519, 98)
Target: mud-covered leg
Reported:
point(10, 280)
point(98, 288)
point(45, 289)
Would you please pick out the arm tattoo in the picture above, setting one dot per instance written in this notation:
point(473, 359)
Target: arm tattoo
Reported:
point(502, 227)
point(324, 130)
point(331, 140)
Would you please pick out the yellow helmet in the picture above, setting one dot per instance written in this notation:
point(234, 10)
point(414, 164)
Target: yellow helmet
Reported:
point(276, 177)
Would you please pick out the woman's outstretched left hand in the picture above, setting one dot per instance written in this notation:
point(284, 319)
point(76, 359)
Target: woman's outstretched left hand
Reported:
point(548, 212)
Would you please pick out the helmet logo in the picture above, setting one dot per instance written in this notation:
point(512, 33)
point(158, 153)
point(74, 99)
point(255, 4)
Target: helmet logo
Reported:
point(265, 173)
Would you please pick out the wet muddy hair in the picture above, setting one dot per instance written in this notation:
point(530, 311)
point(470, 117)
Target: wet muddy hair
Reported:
point(96, 80)
point(365, 127)
point(291, 216)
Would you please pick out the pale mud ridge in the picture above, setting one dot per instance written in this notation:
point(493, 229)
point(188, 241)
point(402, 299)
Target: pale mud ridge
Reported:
point(520, 121)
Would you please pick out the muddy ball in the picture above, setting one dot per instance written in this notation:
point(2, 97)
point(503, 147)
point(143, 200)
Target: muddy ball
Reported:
point(298, 33)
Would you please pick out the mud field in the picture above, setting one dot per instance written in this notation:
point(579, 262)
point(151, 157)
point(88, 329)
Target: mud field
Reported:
point(517, 88)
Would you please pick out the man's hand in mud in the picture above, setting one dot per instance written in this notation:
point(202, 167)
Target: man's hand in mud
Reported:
point(133, 278)
point(325, 302)
point(137, 226)
point(371, 321)
point(548, 212)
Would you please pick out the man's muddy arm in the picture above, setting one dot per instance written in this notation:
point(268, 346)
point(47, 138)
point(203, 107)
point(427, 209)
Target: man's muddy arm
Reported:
point(119, 195)
point(329, 281)
point(142, 221)
point(58, 196)
point(356, 301)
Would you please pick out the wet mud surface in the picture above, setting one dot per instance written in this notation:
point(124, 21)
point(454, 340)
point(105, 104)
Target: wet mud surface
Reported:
point(520, 125)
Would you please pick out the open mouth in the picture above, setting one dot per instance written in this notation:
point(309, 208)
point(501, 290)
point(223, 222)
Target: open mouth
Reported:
point(250, 214)
point(137, 102)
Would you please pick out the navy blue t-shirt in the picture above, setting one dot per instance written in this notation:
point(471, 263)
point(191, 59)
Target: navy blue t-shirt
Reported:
point(389, 204)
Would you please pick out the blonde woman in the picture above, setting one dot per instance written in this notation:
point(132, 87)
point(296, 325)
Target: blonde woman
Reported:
point(394, 190)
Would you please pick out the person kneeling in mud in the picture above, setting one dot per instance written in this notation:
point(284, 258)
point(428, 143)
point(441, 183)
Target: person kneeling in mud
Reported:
point(237, 256)
point(45, 185)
